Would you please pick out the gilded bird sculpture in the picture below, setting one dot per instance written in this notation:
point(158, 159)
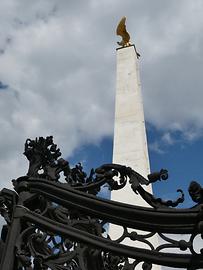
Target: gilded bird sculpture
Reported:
point(121, 31)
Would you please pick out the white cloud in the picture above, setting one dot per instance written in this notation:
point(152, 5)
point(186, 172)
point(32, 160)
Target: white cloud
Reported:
point(156, 147)
point(56, 88)
point(167, 138)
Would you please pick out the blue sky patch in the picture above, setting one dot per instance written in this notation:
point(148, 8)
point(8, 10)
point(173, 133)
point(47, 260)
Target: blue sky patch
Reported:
point(182, 160)
point(183, 163)
point(93, 156)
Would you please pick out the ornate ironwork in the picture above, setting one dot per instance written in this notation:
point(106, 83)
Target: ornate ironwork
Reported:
point(54, 220)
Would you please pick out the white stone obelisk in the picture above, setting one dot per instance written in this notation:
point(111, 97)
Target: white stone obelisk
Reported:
point(130, 142)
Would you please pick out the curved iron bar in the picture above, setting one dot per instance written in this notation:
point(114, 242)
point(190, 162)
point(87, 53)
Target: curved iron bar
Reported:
point(44, 155)
point(178, 220)
point(134, 236)
point(180, 244)
point(192, 237)
point(153, 256)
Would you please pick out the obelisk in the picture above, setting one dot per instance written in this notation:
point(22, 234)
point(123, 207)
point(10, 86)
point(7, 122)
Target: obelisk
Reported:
point(130, 141)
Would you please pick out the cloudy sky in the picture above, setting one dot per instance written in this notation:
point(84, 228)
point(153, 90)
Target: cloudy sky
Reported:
point(57, 77)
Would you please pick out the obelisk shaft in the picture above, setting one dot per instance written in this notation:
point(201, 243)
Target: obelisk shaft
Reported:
point(130, 143)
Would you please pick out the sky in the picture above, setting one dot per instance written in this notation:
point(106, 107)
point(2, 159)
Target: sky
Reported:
point(57, 77)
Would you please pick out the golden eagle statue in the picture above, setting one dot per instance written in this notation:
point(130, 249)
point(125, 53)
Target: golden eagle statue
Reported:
point(121, 31)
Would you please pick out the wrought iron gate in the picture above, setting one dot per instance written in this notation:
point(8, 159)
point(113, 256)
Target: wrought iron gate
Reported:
point(54, 220)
